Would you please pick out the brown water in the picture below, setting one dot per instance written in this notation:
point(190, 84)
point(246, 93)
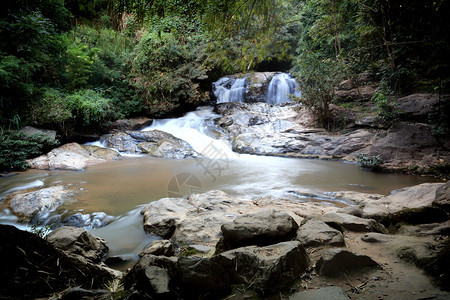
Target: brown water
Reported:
point(120, 188)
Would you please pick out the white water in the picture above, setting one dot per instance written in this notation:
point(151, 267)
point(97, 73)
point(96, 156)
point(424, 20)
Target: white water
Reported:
point(233, 94)
point(196, 128)
point(280, 88)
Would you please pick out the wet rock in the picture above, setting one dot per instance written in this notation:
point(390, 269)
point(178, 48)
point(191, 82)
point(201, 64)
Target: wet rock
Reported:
point(316, 233)
point(352, 223)
point(356, 94)
point(35, 268)
point(73, 157)
point(79, 242)
point(373, 237)
point(336, 261)
point(38, 203)
point(262, 228)
point(326, 293)
point(442, 198)
point(155, 143)
point(160, 247)
point(267, 269)
point(155, 276)
point(94, 220)
point(131, 124)
point(202, 277)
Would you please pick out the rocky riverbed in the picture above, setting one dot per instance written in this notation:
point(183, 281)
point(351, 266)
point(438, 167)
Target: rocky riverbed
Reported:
point(216, 246)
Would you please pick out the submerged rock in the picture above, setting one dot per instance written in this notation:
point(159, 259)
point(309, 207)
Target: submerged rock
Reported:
point(73, 157)
point(37, 204)
point(334, 262)
point(316, 233)
point(155, 143)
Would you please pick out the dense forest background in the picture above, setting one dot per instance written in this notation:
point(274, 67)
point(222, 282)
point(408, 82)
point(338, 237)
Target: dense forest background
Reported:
point(72, 65)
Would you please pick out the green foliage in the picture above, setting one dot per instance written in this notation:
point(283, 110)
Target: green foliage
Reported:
point(166, 73)
point(317, 79)
point(371, 162)
point(440, 119)
point(83, 108)
point(16, 147)
point(40, 231)
point(387, 111)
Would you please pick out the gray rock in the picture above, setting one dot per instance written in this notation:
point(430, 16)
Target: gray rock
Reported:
point(316, 233)
point(262, 228)
point(418, 106)
point(442, 198)
point(201, 248)
point(37, 203)
point(326, 293)
point(155, 143)
point(131, 124)
point(79, 242)
point(155, 276)
point(336, 261)
point(202, 277)
point(268, 269)
point(160, 247)
point(73, 157)
point(352, 223)
point(373, 237)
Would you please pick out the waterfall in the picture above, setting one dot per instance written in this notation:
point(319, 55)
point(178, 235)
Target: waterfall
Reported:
point(226, 93)
point(280, 87)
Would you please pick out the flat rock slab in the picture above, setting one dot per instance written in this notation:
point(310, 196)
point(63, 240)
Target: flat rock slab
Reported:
point(334, 262)
point(197, 219)
point(327, 293)
point(262, 228)
point(316, 233)
point(352, 223)
point(73, 157)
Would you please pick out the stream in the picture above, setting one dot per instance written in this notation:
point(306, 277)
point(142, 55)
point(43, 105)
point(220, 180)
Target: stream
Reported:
point(119, 189)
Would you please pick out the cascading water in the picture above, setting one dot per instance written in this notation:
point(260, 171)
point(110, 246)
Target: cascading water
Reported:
point(229, 90)
point(280, 87)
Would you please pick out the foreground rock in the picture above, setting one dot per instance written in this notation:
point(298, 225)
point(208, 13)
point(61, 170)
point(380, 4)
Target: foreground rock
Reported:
point(34, 268)
point(262, 228)
point(78, 241)
point(73, 157)
point(155, 143)
point(160, 247)
point(316, 233)
point(197, 219)
point(352, 223)
point(334, 262)
point(327, 293)
point(267, 269)
point(36, 204)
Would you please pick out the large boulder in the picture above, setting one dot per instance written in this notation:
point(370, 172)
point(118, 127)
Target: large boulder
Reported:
point(267, 269)
point(36, 204)
point(155, 143)
point(72, 157)
point(131, 124)
point(406, 144)
point(316, 233)
point(29, 130)
point(442, 198)
point(334, 262)
point(417, 107)
point(79, 242)
point(352, 223)
point(159, 247)
point(262, 228)
point(34, 268)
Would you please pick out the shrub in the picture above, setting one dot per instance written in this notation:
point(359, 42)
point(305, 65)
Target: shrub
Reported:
point(16, 147)
point(387, 111)
point(371, 162)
